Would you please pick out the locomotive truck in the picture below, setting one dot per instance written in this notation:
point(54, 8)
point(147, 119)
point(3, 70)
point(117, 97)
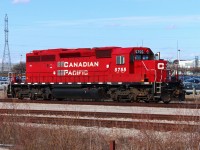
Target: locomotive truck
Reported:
point(99, 73)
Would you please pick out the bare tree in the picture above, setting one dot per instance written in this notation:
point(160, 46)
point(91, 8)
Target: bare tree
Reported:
point(195, 70)
point(19, 68)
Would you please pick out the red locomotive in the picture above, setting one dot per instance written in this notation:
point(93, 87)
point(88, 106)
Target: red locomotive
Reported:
point(122, 74)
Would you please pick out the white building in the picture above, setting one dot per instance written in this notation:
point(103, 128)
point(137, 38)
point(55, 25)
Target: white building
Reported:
point(187, 63)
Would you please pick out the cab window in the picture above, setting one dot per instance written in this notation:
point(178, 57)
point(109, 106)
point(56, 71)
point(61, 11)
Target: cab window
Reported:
point(138, 57)
point(145, 57)
point(141, 57)
point(120, 60)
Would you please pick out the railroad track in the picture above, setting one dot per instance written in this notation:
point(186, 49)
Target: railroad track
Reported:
point(189, 105)
point(101, 119)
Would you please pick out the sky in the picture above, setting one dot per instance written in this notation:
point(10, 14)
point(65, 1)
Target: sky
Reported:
point(165, 26)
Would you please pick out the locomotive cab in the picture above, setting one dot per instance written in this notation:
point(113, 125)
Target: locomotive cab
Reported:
point(151, 77)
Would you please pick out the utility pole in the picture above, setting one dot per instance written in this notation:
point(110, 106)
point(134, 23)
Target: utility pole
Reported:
point(6, 61)
point(196, 63)
point(21, 68)
point(178, 61)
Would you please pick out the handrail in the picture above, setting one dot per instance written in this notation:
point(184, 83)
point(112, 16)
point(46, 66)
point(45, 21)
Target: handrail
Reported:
point(150, 70)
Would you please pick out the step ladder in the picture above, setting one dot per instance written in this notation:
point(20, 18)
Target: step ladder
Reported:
point(157, 89)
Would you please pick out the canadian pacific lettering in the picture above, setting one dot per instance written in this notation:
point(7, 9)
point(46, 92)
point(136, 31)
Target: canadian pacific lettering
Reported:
point(78, 64)
point(75, 65)
point(72, 72)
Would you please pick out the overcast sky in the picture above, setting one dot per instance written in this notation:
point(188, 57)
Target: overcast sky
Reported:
point(158, 24)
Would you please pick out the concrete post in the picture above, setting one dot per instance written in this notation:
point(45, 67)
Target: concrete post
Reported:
point(194, 92)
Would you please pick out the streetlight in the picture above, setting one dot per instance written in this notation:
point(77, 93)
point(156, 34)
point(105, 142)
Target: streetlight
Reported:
point(178, 55)
point(178, 62)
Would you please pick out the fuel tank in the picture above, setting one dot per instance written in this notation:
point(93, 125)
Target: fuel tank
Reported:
point(76, 93)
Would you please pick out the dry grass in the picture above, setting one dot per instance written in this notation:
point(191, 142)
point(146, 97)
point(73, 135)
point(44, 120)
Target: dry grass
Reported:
point(193, 98)
point(32, 138)
point(47, 137)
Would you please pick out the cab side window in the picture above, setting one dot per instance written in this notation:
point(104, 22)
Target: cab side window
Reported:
point(120, 60)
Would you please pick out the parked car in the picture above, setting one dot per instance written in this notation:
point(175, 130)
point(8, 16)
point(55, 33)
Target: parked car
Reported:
point(193, 80)
point(3, 78)
point(190, 87)
point(4, 82)
point(23, 78)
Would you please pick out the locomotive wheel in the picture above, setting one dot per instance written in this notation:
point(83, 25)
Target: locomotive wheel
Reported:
point(166, 98)
point(44, 97)
point(50, 97)
point(137, 99)
point(13, 95)
point(31, 96)
point(181, 97)
point(148, 99)
point(157, 100)
point(131, 97)
point(119, 98)
point(35, 97)
point(21, 97)
point(114, 96)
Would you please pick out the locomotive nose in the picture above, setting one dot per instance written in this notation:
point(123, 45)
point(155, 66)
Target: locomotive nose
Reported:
point(161, 70)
